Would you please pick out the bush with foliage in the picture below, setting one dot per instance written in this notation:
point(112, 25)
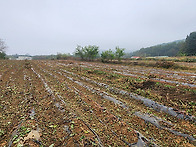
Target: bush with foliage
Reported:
point(107, 56)
point(87, 53)
point(62, 56)
point(119, 53)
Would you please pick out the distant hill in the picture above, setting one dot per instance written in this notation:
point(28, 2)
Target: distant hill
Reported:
point(165, 49)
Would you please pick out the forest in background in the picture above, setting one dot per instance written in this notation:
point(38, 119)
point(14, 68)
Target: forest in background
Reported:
point(165, 49)
point(183, 47)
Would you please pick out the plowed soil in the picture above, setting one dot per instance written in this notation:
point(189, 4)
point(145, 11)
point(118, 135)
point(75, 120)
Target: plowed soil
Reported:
point(74, 103)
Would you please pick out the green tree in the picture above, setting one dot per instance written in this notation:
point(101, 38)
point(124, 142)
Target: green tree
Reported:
point(107, 55)
point(88, 52)
point(91, 52)
point(119, 53)
point(80, 52)
point(189, 48)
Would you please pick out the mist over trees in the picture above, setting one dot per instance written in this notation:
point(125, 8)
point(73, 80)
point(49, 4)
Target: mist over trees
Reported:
point(166, 49)
point(3, 47)
point(177, 48)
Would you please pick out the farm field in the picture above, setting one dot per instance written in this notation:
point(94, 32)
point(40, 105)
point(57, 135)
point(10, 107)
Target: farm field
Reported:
point(74, 103)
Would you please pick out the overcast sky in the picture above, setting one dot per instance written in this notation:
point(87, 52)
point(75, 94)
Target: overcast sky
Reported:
point(50, 26)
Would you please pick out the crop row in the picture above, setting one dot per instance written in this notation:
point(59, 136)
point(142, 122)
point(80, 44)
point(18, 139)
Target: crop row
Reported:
point(50, 103)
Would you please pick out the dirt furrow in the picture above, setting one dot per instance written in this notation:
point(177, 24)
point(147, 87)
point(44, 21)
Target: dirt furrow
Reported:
point(70, 78)
point(186, 79)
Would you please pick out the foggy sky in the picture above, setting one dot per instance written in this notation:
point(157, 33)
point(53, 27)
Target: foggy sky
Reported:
point(50, 26)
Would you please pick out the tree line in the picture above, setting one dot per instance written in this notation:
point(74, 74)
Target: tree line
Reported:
point(185, 47)
point(91, 52)
point(167, 49)
point(109, 55)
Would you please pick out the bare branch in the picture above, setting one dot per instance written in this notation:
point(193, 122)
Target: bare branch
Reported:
point(3, 46)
